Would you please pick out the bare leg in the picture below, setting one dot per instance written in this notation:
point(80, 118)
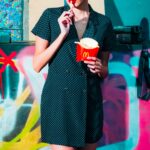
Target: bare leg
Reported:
point(89, 146)
point(61, 147)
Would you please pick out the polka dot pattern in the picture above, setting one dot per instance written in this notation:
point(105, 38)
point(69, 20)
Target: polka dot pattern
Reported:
point(71, 100)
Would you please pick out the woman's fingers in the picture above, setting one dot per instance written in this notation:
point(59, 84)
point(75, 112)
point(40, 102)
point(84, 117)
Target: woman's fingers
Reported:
point(94, 67)
point(92, 58)
point(94, 64)
point(67, 13)
point(71, 13)
point(95, 71)
point(66, 18)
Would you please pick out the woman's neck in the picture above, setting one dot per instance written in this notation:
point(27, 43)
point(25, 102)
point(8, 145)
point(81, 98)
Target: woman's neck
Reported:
point(81, 11)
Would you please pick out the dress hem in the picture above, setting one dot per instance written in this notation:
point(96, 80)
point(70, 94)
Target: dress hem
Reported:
point(74, 145)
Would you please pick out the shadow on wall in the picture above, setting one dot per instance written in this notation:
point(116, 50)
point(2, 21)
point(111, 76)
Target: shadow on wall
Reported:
point(112, 12)
point(128, 13)
point(145, 28)
point(143, 80)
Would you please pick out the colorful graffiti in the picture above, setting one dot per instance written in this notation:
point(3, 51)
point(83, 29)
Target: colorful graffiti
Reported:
point(126, 118)
point(126, 124)
point(11, 20)
point(19, 116)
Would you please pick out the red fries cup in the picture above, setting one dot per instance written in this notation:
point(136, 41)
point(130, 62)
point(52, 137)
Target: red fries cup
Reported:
point(87, 47)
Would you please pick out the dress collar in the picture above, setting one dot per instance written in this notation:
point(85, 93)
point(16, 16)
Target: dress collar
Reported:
point(93, 14)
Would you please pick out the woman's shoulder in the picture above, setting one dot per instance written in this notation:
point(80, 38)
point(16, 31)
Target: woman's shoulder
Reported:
point(102, 17)
point(54, 10)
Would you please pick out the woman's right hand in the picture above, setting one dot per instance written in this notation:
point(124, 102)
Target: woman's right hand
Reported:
point(65, 20)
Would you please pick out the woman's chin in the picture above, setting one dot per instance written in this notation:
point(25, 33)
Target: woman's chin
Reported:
point(76, 5)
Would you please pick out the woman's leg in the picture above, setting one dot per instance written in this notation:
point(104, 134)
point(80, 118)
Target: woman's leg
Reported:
point(89, 146)
point(61, 147)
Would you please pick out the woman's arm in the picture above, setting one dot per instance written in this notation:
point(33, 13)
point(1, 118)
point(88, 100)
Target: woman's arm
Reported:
point(43, 52)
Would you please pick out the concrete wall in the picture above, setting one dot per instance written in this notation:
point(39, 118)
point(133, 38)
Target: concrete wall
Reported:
point(35, 10)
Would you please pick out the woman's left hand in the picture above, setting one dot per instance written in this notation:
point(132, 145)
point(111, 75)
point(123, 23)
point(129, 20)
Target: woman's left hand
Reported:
point(95, 66)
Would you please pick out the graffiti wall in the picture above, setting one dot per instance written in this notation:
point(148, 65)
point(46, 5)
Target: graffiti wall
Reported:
point(126, 118)
point(11, 12)
point(126, 123)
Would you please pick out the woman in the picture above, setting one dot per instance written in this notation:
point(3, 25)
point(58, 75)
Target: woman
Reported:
point(71, 100)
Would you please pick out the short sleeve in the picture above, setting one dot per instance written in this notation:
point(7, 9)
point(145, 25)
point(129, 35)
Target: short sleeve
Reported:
point(42, 27)
point(109, 38)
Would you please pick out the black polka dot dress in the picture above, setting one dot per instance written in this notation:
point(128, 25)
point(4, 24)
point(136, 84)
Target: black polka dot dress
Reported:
point(71, 100)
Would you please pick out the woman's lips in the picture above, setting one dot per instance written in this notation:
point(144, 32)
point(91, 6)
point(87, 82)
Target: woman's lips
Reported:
point(72, 1)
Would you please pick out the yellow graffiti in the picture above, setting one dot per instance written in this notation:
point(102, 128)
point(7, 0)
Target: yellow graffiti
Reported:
point(22, 98)
point(29, 137)
point(13, 60)
point(1, 111)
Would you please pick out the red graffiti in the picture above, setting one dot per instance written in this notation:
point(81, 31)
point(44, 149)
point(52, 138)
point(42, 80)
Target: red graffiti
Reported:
point(6, 60)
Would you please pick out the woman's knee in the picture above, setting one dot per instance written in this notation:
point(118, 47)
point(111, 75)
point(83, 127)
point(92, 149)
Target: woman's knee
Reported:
point(61, 147)
point(89, 146)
